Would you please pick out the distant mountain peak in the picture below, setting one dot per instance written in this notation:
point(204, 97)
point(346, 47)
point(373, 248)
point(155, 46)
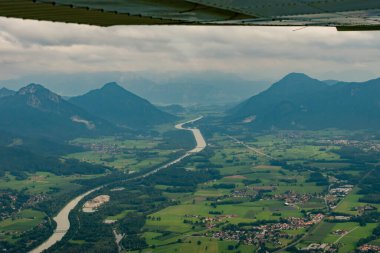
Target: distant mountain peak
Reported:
point(300, 102)
point(296, 77)
point(114, 89)
point(112, 85)
point(119, 106)
point(32, 89)
point(37, 93)
point(296, 74)
point(39, 111)
point(297, 82)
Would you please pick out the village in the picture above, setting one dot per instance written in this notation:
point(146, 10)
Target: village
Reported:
point(12, 202)
point(336, 193)
point(267, 233)
point(368, 248)
point(112, 149)
point(366, 146)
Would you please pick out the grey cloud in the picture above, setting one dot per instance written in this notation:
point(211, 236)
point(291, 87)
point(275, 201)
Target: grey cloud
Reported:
point(28, 47)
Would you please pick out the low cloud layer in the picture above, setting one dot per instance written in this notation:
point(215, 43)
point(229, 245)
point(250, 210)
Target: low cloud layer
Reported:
point(32, 47)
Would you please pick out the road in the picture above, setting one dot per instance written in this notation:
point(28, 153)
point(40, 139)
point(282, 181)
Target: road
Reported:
point(257, 151)
point(340, 238)
point(62, 219)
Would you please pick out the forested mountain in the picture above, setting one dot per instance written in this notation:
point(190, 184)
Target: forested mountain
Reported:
point(300, 102)
point(36, 111)
point(121, 107)
point(4, 92)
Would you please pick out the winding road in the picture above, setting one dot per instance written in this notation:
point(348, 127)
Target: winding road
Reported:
point(62, 219)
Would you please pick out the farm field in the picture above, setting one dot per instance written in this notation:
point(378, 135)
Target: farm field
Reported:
point(201, 245)
point(25, 220)
point(324, 233)
point(43, 182)
point(123, 154)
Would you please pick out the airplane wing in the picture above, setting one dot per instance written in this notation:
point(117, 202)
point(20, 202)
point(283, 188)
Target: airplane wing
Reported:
point(346, 15)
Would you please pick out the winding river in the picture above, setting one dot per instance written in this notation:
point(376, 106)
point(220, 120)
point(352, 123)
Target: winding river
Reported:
point(62, 219)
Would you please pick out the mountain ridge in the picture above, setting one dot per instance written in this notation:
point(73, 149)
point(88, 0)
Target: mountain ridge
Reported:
point(36, 110)
point(121, 107)
point(300, 102)
point(4, 92)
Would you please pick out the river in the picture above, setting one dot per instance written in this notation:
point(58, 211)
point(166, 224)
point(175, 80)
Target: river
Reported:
point(62, 219)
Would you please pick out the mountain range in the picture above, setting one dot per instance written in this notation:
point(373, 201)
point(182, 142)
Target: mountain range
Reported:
point(196, 88)
point(295, 102)
point(35, 111)
point(300, 102)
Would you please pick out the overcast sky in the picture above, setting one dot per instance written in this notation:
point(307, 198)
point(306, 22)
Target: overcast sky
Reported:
point(33, 47)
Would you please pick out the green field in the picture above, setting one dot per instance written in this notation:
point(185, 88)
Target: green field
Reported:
point(23, 221)
point(43, 182)
point(347, 243)
point(201, 245)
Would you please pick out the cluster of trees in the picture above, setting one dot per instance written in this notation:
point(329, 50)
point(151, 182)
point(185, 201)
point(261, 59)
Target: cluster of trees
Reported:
point(355, 154)
point(177, 140)
point(224, 186)
point(318, 178)
point(180, 177)
point(95, 236)
point(370, 187)
point(251, 181)
point(19, 161)
point(375, 235)
point(351, 179)
point(367, 217)
point(87, 233)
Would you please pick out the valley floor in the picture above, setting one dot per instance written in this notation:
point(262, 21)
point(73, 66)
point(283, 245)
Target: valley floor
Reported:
point(278, 191)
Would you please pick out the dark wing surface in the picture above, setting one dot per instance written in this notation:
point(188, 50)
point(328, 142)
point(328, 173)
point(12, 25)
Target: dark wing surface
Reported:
point(344, 14)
